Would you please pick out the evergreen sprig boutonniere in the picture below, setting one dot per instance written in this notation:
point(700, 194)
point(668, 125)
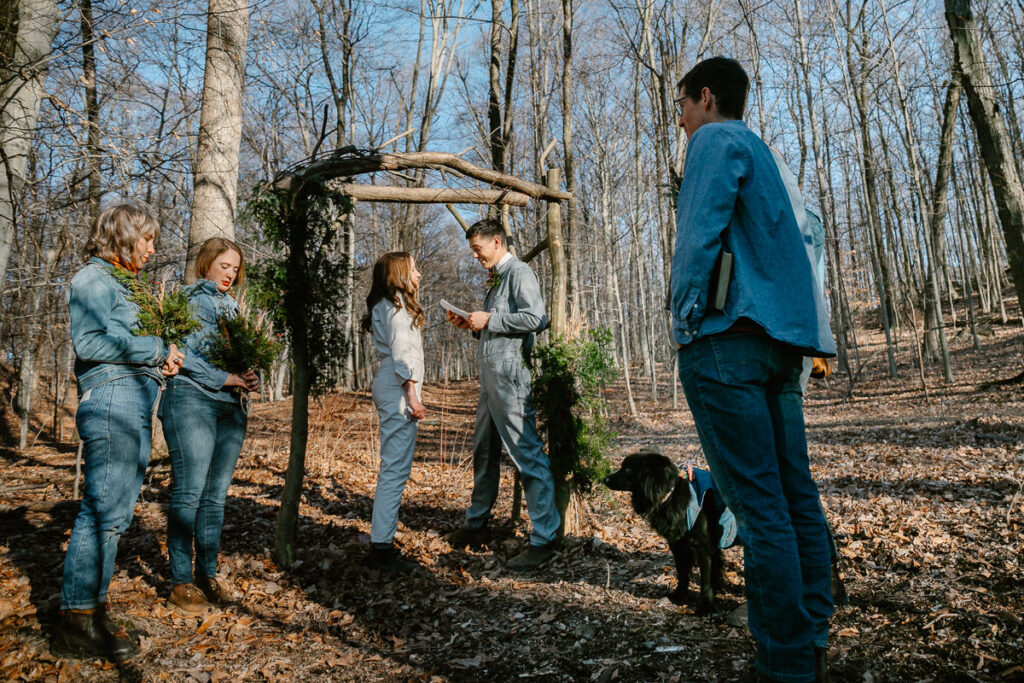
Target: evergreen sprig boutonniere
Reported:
point(163, 311)
point(243, 342)
point(494, 280)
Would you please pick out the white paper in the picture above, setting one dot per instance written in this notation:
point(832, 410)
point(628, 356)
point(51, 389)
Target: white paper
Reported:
point(454, 309)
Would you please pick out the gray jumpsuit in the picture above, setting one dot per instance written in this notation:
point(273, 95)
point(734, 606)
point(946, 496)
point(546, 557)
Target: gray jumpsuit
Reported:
point(400, 351)
point(504, 413)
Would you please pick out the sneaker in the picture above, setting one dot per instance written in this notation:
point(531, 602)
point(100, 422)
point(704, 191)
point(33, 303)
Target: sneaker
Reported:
point(214, 592)
point(385, 557)
point(532, 557)
point(84, 633)
point(187, 597)
point(473, 537)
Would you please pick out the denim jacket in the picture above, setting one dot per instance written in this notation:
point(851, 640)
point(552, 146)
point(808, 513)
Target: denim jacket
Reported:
point(733, 197)
point(517, 312)
point(209, 303)
point(102, 319)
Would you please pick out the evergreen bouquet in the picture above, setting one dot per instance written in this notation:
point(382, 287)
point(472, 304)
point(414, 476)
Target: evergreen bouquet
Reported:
point(164, 311)
point(243, 342)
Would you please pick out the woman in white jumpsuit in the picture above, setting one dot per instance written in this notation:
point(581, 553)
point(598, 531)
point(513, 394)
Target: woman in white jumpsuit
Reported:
point(394, 318)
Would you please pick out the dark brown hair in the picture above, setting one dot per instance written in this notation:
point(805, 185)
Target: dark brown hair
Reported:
point(392, 275)
point(726, 80)
point(210, 250)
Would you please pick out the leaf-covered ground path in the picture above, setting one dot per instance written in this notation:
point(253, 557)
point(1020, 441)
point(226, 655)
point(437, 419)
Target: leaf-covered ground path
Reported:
point(919, 493)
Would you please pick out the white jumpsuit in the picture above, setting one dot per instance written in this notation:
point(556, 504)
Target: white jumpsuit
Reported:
point(399, 348)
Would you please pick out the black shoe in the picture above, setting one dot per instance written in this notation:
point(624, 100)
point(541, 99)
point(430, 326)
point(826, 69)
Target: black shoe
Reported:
point(532, 557)
point(840, 598)
point(85, 633)
point(475, 538)
point(385, 557)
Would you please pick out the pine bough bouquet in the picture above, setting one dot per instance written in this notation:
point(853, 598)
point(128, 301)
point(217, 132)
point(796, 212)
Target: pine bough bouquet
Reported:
point(243, 342)
point(164, 311)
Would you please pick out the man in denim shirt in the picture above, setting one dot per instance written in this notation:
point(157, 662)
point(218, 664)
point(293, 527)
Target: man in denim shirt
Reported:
point(740, 365)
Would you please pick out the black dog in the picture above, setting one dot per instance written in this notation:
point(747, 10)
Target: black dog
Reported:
point(661, 497)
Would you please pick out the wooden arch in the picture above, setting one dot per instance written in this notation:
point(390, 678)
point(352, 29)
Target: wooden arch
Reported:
point(503, 190)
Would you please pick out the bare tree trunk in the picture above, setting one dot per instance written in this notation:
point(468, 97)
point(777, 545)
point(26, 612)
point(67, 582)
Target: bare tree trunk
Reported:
point(33, 26)
point(215, 198)
point(567, 153)
point(92, 110)
point(939, 204)
point(996, 149)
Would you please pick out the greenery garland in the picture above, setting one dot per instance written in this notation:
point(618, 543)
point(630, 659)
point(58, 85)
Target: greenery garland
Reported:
point(569, 397)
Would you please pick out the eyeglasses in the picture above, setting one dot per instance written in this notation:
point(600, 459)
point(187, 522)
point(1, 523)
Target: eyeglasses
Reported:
point(679, 102)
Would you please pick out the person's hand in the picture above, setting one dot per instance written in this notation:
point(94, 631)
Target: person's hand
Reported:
point(173, 362)
point(458, 321)
point(478, 320)
point(416, 409)
point(247, 381)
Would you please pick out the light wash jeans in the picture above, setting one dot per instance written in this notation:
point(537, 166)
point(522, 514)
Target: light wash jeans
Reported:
point(204, 437)
point(744, 393)
point(114, 421)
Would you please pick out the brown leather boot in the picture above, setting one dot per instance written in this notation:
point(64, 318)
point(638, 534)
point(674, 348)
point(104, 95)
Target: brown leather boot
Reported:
point(214, 592)
point(84, 633)
point(187, 597)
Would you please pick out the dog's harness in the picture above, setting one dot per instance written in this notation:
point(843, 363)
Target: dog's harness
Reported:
point(702, 484)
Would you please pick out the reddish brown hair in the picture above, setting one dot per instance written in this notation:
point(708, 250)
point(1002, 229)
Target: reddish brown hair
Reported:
point(210, 250)
point(392, 275)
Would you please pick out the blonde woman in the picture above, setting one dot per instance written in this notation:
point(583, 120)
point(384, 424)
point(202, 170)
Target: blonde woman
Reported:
point(394, 319)
point(204, 426)
point(119, 376)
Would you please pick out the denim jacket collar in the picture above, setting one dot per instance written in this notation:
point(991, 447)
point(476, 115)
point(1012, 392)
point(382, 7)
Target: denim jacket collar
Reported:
point(207, 287)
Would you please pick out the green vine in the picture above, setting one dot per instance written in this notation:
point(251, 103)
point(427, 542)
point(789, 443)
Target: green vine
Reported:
point(567, 391)
point(302, 285)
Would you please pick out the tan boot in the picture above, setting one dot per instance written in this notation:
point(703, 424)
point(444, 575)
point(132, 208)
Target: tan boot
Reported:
point(213, 591)
point(187, 597)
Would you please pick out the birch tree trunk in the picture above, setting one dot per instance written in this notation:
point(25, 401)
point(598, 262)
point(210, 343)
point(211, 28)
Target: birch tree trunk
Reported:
point(215, 198)
point(31, 26)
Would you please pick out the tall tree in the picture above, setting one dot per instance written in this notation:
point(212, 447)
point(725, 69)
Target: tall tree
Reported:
point(27, 30)
point(215, 197)
point(993, 139)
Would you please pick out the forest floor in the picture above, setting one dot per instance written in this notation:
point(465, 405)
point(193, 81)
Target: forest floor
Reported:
point(919, 491)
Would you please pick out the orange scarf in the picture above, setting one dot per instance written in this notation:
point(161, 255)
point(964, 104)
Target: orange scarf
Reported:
point(121, 264)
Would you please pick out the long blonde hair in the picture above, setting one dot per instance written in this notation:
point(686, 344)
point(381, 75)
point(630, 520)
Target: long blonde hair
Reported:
point(392, 274)
point(116, 231)
point(210, 250)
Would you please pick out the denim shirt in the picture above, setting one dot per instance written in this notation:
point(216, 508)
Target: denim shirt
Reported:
point(102, 319)
point(517, 312)
point(732, 197)
point(209, 304)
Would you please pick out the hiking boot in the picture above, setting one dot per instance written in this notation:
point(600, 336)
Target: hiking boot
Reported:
point(214, 592)
point(532, 557)
point(385, 557)
point(116, 626)
point(474, 537)
point(187, 597)
point(840, 598)
point(84, 633)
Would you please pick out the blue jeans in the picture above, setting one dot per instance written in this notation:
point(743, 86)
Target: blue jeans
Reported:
point(115, 422)
point(204, 437)
point(744, 392)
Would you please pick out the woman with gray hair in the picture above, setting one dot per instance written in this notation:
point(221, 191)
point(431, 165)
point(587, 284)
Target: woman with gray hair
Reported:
point(119, 377)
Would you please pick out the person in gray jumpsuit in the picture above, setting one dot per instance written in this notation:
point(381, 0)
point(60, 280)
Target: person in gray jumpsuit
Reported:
point(513, 314)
